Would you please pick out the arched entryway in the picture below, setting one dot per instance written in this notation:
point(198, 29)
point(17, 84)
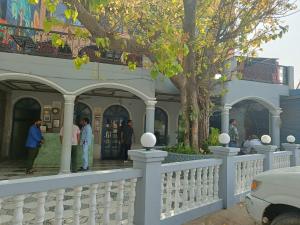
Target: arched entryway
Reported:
point(113, 117)
point(26, 110)
point(161, 127)
point(82, 110)
point(253, 118)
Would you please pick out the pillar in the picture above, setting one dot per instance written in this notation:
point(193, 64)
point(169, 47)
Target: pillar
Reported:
point(268, 151)
point(150, 115)
point(67, 133)
point(148, 187)
point(275, 127)
point(227, 173)
point(295, 149)
point(225, 118)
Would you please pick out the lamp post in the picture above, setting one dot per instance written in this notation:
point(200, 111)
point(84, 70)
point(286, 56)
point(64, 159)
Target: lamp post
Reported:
point(148, 140)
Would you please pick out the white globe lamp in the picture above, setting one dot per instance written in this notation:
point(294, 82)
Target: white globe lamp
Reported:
point(148, 140)
point(266, 139)
point(291, 139)
point(224, 139)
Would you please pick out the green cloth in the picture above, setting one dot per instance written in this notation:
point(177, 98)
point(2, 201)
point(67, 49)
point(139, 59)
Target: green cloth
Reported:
point(50, 152)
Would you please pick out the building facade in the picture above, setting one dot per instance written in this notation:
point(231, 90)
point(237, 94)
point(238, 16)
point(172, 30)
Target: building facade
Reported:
point(39, 80)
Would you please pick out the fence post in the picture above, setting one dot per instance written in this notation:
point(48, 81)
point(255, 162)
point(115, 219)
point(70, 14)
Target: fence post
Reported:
point(294, 148)
point(268, 151)
point(227, 173)
point(148, 188)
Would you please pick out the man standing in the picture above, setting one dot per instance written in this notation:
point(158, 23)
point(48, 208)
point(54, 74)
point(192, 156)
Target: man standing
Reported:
point(233, 133)
point(75, 142)
point(33, 144)
point(85, 142)
point(126, 138)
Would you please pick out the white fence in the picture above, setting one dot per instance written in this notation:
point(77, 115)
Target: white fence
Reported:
point(87, 198)
point(282, 159)
point(247, 166)
point(148, 194)
point(188, 185)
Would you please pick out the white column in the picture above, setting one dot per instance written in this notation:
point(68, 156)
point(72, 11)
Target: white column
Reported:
point(225, 118)
point(150, 115)
point(67, 133)
point(275, 125)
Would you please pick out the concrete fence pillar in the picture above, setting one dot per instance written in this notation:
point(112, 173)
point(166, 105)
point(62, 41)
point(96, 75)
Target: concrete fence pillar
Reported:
point(148, 188)
point(268, 151)
point(295, 149)
point(227, 173)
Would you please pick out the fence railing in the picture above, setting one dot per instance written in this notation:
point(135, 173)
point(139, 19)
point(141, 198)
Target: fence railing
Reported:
point(149, 193)
point(281, 159)
point(95, 198)
point(187, 185)
point(32, 41)
point(247, 166)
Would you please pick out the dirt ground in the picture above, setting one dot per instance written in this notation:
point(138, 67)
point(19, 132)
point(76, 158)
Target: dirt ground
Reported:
point(236, 215)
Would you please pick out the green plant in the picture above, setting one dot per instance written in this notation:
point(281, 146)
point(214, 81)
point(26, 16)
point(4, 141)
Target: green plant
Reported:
point(213, 140)
point(180, 148)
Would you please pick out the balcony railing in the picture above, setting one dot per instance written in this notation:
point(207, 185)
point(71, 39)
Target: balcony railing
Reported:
point(31, 41)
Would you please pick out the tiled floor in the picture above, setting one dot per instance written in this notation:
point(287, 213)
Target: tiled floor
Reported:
point(16, 169)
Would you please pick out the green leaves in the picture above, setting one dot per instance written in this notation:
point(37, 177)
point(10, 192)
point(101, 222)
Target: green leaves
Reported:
point(103, 43)
point(51, 5)
point(71, 14)
point(79, 61)
point(33, 2)
point(57, 41)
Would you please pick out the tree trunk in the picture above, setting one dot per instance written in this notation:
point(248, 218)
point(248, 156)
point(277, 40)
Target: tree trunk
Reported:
point(203, 121)
point(189, 27)
point(185, 111)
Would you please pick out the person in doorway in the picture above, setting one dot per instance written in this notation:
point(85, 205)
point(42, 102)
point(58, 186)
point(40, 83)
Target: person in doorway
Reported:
point(126, 138)
point(33, 144)
point(233, 133)
point(85, 142)
point(74, 149)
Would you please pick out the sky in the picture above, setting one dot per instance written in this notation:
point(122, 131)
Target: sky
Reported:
point(287, 49)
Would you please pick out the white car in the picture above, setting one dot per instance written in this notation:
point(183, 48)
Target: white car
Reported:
point(275, 197)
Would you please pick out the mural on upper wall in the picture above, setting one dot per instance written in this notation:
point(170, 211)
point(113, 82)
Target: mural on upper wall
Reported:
point(3, 7)
point(21, 13)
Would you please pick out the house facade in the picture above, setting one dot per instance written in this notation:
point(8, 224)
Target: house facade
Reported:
point(38, 80)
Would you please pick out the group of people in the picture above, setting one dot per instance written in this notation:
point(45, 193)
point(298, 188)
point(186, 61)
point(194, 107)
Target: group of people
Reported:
point(81, 137)
point(248, 146)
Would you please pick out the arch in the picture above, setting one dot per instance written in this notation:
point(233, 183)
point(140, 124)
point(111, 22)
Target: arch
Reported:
point(25, 111)
point(271, 107)
point(82, 110)
point(123, 87)
point(34, 78)
point(162, 116)
point(113, 118)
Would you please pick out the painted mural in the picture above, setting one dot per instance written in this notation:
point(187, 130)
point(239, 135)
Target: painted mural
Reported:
point(21, 13)
point(3, 7)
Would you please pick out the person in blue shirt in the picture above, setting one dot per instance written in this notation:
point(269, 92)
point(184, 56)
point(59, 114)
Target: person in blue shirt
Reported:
point(85, 142)
point(33, 144)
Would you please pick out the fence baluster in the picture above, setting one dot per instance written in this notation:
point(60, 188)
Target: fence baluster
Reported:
point(77, 205)
point(40, 209)
point(59, 209)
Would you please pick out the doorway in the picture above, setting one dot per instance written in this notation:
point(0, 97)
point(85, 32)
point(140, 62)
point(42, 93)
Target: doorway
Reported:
point(113, 118)
point(82, 111)
point(26, 110)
